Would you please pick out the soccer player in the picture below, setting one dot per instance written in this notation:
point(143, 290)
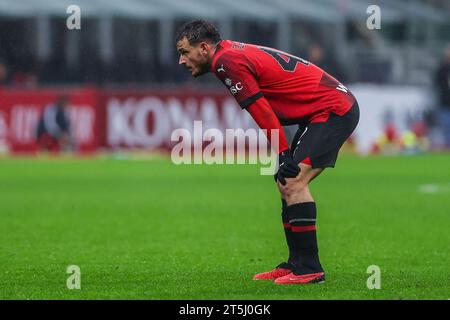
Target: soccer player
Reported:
point(277, 89)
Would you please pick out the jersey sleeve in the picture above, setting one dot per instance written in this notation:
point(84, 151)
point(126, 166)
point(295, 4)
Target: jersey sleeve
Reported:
point(239, 76)
point(264, 116)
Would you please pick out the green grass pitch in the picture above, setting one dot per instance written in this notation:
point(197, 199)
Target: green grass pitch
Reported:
point(147, 229)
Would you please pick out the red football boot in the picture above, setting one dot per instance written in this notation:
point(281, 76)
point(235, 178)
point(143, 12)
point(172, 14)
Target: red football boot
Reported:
point(281, 270)
point(292, 278)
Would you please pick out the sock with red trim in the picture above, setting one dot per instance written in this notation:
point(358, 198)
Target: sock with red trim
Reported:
point(302, 219)
point(288, 232)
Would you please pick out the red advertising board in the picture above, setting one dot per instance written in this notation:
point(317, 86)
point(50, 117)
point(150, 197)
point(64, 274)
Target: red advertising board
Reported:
point(147, 118)
point(118, 118)
point(20, 110)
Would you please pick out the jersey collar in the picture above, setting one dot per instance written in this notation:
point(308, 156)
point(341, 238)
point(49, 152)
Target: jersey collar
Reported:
point(217, 54)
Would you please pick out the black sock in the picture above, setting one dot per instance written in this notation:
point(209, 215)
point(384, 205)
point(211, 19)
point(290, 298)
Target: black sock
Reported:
point(302, 219)
point(287, 232)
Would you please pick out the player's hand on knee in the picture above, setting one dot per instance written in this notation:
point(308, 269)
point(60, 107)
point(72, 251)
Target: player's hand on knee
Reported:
point(288, 167)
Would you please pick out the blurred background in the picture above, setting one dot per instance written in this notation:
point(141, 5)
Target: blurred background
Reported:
point(115, 83)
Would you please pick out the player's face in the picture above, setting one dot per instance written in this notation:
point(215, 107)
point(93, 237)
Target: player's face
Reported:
point(195, 58)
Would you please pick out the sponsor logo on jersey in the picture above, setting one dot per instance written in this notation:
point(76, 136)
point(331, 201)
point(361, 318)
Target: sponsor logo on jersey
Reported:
point(221, 69)
point(237, 87)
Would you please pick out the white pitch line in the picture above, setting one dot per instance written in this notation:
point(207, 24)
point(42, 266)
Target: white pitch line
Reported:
point(434, 188)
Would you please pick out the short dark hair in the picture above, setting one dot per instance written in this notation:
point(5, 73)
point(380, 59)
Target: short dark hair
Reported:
point(197, 31)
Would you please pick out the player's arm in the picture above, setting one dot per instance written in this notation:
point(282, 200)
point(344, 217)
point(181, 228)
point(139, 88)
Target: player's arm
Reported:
point(262, 113)
point(239, 76)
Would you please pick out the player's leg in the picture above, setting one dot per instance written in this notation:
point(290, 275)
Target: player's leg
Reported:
point(283, 268)
point(316, 150)
point(287, 267)
point(292, 197)
point(294, 192)
point(284, 216)
point(301, 212)
point(296, 189)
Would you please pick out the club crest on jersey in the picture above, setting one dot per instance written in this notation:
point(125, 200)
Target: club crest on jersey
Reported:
point(221, 69)
point(228, 82)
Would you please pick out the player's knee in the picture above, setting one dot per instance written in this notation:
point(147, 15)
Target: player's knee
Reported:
point(294, 187)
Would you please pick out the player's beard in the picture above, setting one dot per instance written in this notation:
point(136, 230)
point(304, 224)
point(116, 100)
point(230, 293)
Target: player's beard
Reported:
point(201, 69)
point(203, 66)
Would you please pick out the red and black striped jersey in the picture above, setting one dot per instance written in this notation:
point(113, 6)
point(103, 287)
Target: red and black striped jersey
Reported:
point(296, 89)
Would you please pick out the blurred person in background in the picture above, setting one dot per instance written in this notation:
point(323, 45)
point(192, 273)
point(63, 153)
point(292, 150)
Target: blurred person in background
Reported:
point(3, 73)
point(53, 130)
point(24, 79)
point(442, 83)
point(316, 55)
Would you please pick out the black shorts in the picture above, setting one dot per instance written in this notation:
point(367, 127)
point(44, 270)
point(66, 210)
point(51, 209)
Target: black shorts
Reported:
point(318, 144)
